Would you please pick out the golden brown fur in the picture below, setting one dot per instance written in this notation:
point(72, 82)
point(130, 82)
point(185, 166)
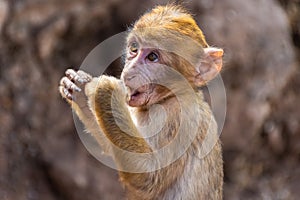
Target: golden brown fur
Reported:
point(198, 173)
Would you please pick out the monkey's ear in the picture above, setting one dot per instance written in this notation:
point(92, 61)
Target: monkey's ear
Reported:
point(209, 66)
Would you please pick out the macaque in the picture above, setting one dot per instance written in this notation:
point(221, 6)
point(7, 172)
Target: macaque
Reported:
point(156, 103)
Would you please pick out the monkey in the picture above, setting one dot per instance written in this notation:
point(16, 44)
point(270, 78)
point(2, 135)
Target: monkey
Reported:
point(156, 103)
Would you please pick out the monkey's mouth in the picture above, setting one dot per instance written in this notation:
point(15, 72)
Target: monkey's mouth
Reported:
point(136, 94)
point(140, 96)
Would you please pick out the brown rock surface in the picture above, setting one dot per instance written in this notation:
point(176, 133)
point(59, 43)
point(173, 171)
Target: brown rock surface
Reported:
point(42, 157)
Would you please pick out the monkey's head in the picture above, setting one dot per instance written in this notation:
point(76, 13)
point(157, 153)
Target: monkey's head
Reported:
point(166, 36)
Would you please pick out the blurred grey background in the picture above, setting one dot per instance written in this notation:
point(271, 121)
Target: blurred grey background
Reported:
point(42, 157)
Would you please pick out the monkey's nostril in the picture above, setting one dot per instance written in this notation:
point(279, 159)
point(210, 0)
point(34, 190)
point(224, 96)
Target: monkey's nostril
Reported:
point(129, 78)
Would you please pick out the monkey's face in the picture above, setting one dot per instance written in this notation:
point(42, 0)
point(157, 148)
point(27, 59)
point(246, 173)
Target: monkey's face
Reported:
point(147, 67)
point(141, 74)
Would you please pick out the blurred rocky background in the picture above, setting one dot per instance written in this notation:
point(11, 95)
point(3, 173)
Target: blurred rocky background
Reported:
point(42, 157)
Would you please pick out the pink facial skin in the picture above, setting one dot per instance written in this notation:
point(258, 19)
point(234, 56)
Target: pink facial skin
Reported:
point(136, 75)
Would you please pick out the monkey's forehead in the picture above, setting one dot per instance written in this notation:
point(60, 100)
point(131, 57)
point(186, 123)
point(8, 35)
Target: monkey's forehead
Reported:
point(166, 40)
point(172, 18)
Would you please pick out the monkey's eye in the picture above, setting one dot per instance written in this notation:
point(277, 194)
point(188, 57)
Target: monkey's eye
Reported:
point(134, 47)
point(153, 57)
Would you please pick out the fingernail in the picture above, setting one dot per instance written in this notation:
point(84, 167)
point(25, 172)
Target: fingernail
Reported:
point(66, 91)
point(80, 80)
point(78, 89)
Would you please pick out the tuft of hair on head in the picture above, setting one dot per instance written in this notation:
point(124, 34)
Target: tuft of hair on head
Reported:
point(174, 18)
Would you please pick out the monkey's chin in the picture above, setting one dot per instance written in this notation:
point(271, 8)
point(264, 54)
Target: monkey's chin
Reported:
point(138, 99)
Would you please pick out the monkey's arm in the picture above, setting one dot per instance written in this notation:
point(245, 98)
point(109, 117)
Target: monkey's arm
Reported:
point(107, 108)
point(107, 101)
point(88, 119)
point(108, 104)
point(93, 107)
point(71, 89)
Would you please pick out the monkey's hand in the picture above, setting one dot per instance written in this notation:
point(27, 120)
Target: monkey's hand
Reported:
point(72, 89)
point(72, 86)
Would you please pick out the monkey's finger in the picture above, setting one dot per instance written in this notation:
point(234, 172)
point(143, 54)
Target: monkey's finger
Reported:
point(69, 85)
point(72, 74)
point(85, 77)
point(65, 93)
point(79, 76)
